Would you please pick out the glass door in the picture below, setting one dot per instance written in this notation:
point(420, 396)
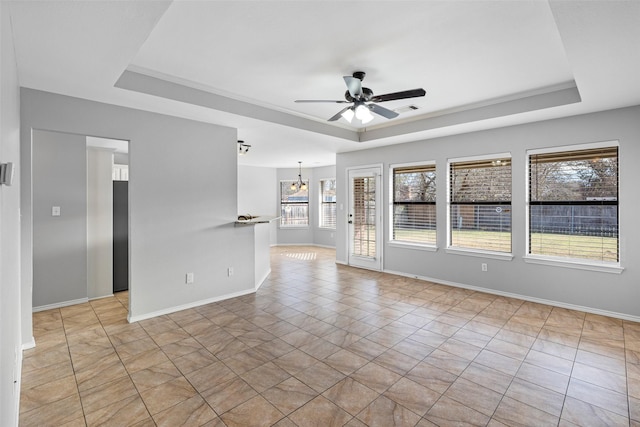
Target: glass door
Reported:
point(365, 218)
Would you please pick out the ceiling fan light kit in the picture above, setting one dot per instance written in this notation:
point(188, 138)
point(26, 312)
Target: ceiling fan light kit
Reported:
point(360, 96)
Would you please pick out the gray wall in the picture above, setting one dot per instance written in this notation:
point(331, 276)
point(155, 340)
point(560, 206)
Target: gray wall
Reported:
point(10, 293)
point(182, 193)
point(59, 242)
point(311, 234)
point(616, 294)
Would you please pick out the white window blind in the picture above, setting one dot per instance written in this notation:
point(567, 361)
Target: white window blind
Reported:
point(414, 204)
point(573, 204)
point(328, 203)
point(480, 204)
point(294, 205)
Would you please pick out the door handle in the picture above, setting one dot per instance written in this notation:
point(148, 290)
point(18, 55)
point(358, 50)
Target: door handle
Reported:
point(350, 222)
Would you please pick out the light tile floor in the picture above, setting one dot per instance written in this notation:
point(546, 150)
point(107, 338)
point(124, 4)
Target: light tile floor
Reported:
point(327, 345)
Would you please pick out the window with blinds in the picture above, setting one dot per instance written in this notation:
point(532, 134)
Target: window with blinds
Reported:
point(294, 204)
point(573, 204)
point(414, 204)
point(480, 204)
point(328, 203)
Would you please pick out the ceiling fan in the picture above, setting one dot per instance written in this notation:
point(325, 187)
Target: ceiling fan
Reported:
point(364, 101)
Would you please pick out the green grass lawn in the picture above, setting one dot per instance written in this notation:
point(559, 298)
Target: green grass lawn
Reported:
point(561, 245)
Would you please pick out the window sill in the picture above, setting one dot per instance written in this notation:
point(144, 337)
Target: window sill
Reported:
point(571, 263)
point(293, 227)
point(480, 253)
point(327, 228)
point(416, 246)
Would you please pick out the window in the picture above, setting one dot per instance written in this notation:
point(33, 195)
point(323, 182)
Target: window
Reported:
point(414, 204)
point(328, 203)
point(294, 204)
point(480, 204)
point(573, 204)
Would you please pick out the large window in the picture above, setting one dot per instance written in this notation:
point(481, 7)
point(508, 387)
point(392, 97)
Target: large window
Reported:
point(480, 204)
point(294, 204)
point(414, 204)
point(573, 203)
point(328, 203)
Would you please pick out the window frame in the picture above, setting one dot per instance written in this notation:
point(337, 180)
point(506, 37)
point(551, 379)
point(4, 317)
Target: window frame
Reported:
point(283, 203)
point(392, 203)
point(322, 203)
point(479, 252)
point(576, 263)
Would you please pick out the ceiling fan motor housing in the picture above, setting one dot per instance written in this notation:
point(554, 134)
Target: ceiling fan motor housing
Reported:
point(366, 95)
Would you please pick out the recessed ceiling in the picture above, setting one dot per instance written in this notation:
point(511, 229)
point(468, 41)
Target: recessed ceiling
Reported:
point(483, 64)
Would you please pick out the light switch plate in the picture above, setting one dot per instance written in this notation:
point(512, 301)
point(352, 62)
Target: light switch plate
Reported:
point(55, 211)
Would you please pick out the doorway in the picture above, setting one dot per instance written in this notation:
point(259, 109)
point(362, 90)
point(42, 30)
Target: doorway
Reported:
point(365, 218)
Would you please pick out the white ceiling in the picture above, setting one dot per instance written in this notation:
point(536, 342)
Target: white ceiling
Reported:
point(483, 64)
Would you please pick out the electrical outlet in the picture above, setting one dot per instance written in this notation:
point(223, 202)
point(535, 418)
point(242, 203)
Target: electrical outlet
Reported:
point(230, 271)
point(484, 266)
point(190, 278)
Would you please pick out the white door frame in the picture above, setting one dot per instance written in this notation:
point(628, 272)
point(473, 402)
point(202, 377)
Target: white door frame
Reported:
point(372, 263)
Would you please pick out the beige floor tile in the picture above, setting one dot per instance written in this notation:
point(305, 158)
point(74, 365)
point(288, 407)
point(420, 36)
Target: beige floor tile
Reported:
point(536, 396)
point(512, 412)
point(129, 411)
point(54, 413)
point(41, 395)
point(326, 344)
point(265, 376)
point(582, 413)
point(254, 412)
point(289, 395)
point(150, 377)
point(490, 378)
point(319, 376)
point(208, 376)
point(320, 412)
point(448, 412)
point(165, 395)
point(228, 395)
point(191, 412)
point(412, 396)
point(431, 377)
point(384, 412)
point(351, 395)
point(106, 394)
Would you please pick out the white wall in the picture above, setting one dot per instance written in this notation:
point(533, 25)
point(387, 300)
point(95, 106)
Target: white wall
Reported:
point(614, 294)
point(10, 318)
point(257, 194)
point(99, 222)
point(182, 194)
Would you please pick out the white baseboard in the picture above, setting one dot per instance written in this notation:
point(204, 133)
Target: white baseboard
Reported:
point(59, 305)
point(29, 344)
point(522, 297)
point(261, 281)
point(199, 303)
point(100, 297)
point(302, 244)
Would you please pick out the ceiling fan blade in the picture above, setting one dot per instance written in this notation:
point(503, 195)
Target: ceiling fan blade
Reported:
point(321, 100)
point(413, 93)
point(384, 112)
point(338, 115)
point(354, 85)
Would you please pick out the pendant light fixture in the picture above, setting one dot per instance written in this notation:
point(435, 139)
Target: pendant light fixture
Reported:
point(300, 184)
